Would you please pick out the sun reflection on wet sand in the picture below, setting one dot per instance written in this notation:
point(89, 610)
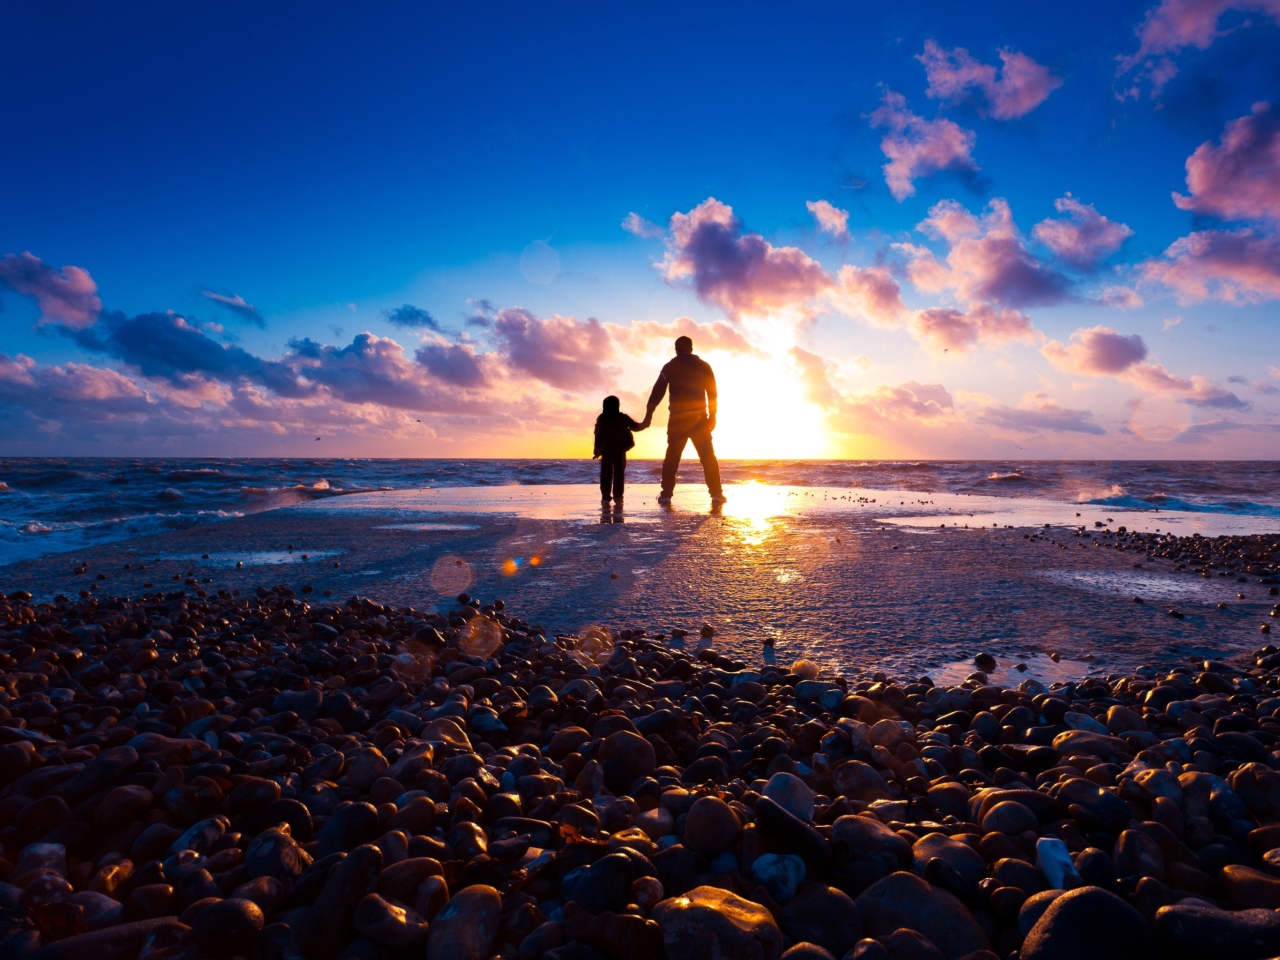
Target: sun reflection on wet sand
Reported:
point(753, 512)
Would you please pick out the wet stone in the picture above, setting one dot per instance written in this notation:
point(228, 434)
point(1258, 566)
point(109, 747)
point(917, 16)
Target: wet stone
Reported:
point(329, 922)
point(824, 916)
point(708, 923)
point(711, 827)
point(467, 926)
point(961, 857)
point(1009, 817)
point(808, 951)
point(394, 926)
point(904, 900)
point(347, 828)
point(267, 892)
point(276, 854)
point(122, 804)
point(792, 794)
point(1088, 922)
point(779, 874)
point(604, 885)
point(1187, 930)
point(228, 927)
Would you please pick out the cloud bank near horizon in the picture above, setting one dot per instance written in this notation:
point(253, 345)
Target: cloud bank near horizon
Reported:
point(161, 375)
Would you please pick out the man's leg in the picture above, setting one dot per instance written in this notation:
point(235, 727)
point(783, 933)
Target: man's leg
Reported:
point(671, 462)
point(707, 454)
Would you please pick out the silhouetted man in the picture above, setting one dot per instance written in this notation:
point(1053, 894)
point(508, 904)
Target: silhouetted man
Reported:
point(692, 417)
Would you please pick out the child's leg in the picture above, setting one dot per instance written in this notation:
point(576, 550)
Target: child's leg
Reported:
point(619, 474)
point(606, 474)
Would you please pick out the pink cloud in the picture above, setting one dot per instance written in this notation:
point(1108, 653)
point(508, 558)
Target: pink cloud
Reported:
point(1237, 266)
point(85, 392)
point(1097, 351)
point(907, 401)
point(456, 363)
point(371, 369)
point(1085, 238)
point(816, 374)
point(635, 224)
point(1199, 433)
point(1013, 90)
point(563, 351)
point(1036, 412)
point(831, 219)
point(872, 293)
point(917, 147)
point(1239, 179)
point(718, 336)
point(740, 272)
point(946, 328)
point(67, 296)
point(1101, 351)
point(881, 405)
point(1122, 298)
point(1173, 25)
point(987, 260)
point(1196, 390)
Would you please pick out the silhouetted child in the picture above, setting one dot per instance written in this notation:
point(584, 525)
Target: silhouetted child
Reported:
point(613, 440)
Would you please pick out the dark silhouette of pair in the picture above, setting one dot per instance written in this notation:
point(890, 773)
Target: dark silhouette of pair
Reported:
point(692, 416)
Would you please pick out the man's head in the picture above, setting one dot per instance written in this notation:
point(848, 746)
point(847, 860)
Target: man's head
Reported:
point(612, 405)
point(684, 346)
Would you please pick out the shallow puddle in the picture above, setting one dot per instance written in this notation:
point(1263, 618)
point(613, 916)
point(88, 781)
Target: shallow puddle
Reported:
point(428, 526)
point(1148, 586)
point(1039, 666)
point(256, 558)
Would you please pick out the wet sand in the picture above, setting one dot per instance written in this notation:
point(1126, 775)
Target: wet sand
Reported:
point(858, 581)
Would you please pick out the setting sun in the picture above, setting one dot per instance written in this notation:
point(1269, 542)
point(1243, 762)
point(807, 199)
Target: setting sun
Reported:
point(765, 414)
point(763, 410)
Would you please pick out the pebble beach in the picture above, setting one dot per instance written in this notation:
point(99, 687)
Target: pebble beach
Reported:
point(261, 773)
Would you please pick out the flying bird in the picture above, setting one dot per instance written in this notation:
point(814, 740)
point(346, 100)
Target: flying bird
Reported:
point(317, 438)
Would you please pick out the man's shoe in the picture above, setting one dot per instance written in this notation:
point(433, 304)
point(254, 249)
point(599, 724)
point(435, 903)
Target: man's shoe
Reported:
point(718, 498)
point(664, 498)
point(604, 503)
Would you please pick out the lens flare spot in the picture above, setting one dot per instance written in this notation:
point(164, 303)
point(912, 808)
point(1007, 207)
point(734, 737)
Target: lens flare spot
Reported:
point(481, 637)
point(450, 575)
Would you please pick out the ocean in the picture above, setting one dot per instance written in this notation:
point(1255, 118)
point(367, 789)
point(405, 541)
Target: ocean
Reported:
point(52, 506)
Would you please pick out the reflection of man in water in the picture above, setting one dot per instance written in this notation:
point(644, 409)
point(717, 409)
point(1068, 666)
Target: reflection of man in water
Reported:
point(692, 417)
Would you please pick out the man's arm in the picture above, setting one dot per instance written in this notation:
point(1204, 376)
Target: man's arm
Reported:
point(655, 396)
point(711, 398)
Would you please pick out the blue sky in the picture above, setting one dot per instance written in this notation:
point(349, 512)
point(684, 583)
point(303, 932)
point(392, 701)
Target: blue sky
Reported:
point(327, 163)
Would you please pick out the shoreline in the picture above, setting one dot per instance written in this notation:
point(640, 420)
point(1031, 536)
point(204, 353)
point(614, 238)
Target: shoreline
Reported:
point(356, 780)
point(838, 581)
point(43, 533)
